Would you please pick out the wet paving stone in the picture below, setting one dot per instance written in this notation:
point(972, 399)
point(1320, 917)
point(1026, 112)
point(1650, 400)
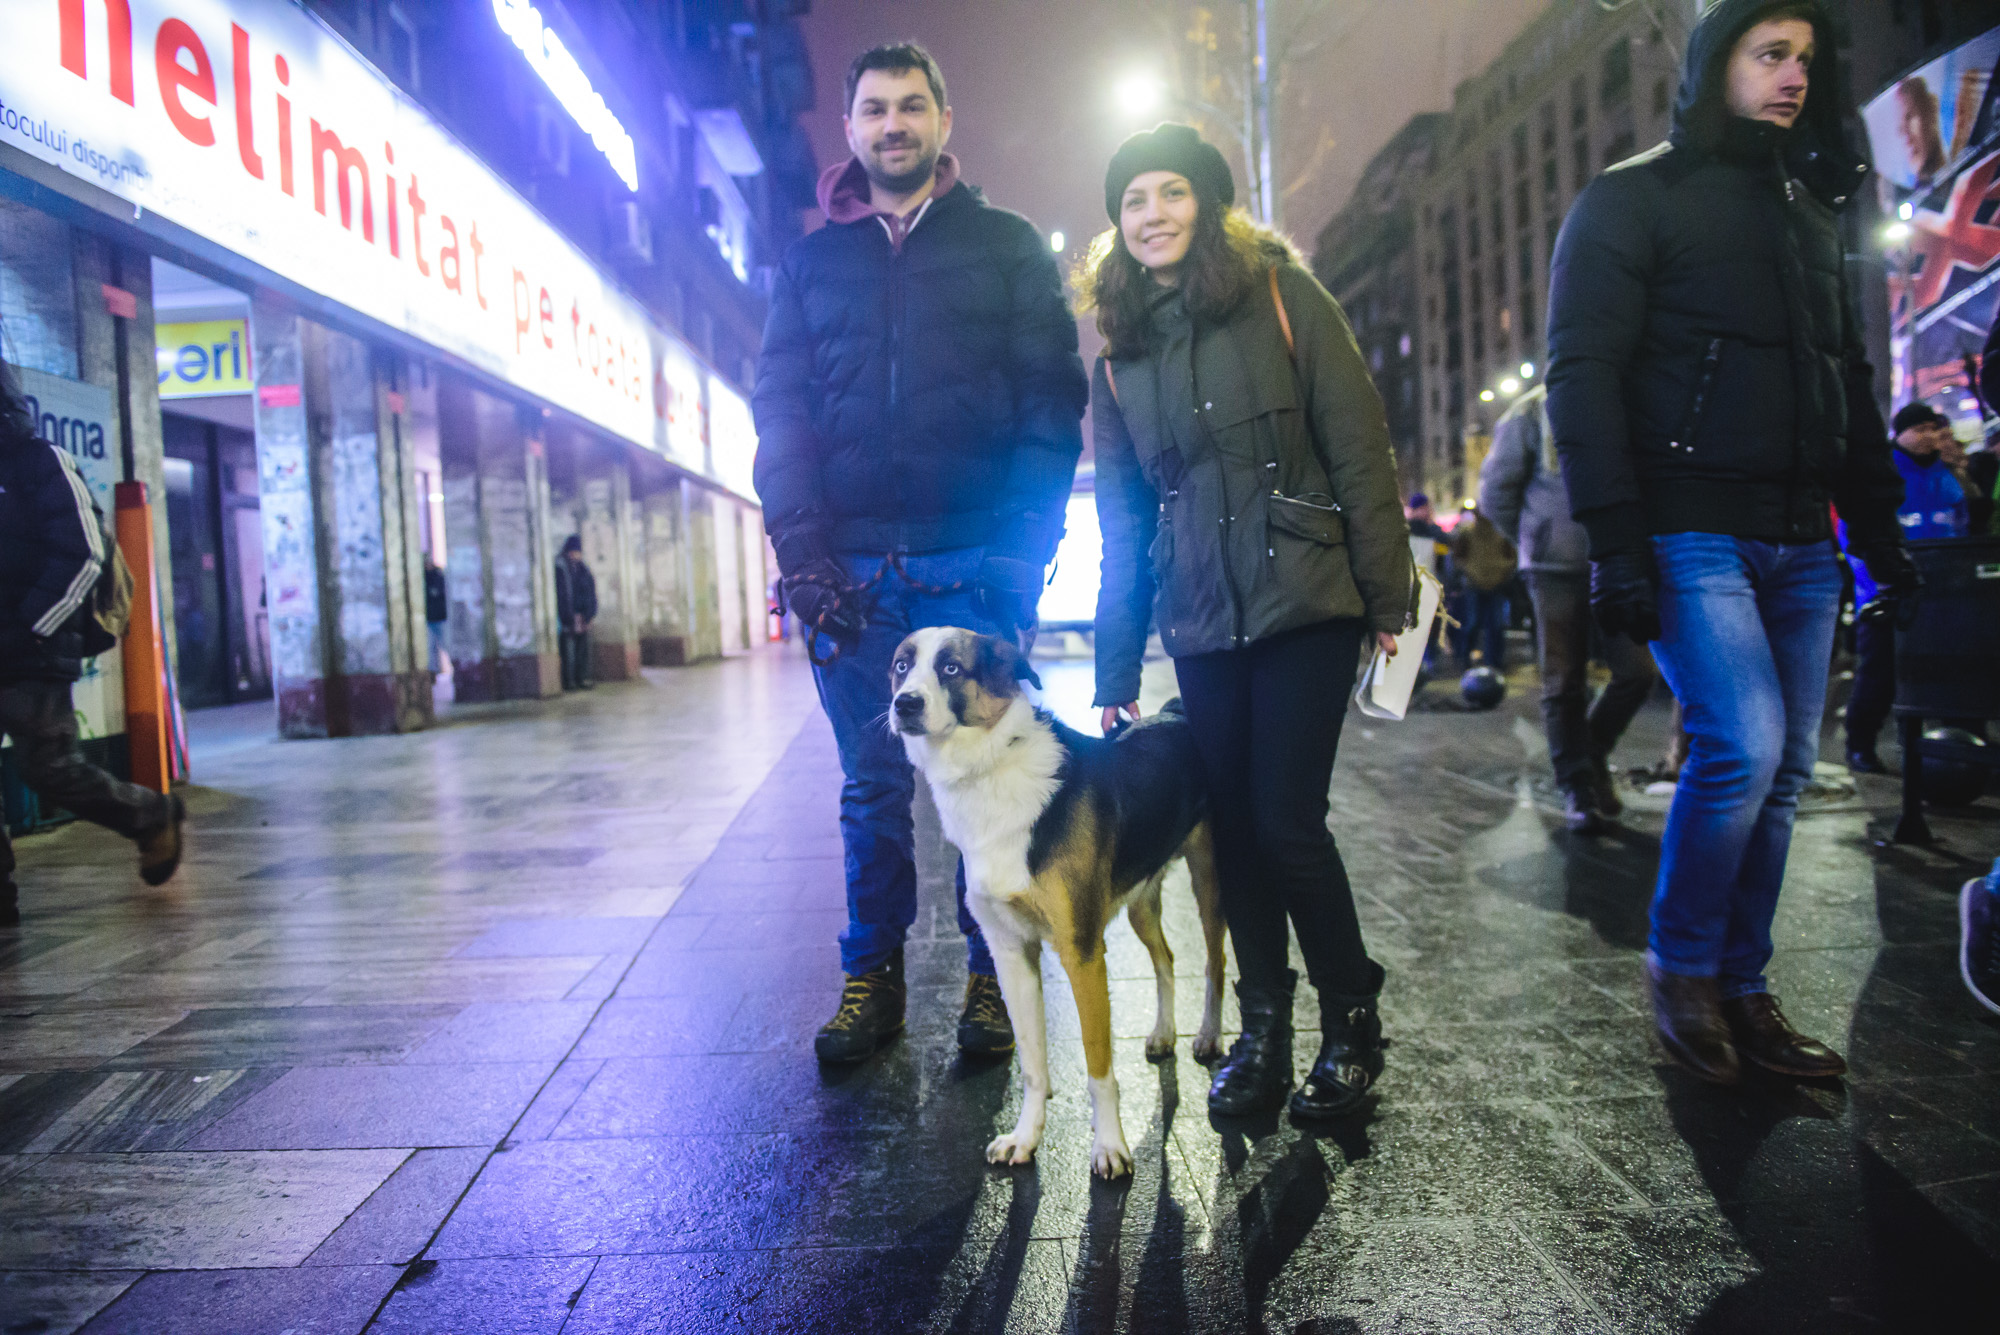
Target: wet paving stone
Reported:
point(507, 1027)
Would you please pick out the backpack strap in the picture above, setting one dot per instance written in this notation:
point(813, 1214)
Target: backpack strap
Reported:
point(1284, 320)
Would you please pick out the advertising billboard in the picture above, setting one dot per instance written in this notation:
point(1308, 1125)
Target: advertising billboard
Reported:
point(251, 124)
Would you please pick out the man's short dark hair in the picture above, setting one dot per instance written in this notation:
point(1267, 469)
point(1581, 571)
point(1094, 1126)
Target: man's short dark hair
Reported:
point(896, 58)
point(1917, 413)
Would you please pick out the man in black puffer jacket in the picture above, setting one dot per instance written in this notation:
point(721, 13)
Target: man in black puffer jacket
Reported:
point(51, 551)
point(918, 413)
point(1710, 398)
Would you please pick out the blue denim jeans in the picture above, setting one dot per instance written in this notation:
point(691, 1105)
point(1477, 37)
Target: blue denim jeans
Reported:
point(876, 829)
point(1747, 630)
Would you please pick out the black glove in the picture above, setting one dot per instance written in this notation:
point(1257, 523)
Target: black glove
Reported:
point(1007, 592)
point(1623, 597)
point(1896, 577)
point(817, 594)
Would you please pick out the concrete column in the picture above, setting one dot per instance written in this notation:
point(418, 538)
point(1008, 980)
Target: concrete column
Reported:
point(664, 639)
point(605, 523)
point(704, 591)
point(291, 552)
point(500, 568)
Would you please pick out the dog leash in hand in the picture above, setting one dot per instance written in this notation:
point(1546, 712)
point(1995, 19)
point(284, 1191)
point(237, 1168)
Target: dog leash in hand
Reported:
point(891, 561)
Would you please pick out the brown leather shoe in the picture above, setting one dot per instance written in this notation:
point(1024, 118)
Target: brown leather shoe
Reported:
point(1766, 1037)
point(1689, 1014)
point(160, 851)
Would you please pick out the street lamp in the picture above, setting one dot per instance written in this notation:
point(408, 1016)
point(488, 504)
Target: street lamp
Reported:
point(1058, 242)
point(1138, 94)
point(1486, 396)
point(1510, 386)
point(1896, 233)
point(1527, 370)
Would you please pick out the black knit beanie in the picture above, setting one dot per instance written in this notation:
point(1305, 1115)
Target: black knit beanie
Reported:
point(1169, 147)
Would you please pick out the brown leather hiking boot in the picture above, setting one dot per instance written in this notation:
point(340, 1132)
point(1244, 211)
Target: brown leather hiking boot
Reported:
point(1688, 1011)
point(870, 1014)
point(1766, 1037)
point(160, 851)
point(983, 1027)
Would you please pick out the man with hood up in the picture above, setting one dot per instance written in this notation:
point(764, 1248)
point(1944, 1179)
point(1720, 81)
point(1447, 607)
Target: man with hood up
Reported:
point(919, 405)
point(1710, 400)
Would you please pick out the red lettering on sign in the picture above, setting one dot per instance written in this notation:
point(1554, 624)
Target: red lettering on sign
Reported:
point(118, 22)
point(348, 164)
point(548, 321)
point(448, 256)
point(284, 129)
point(239, 66)
point(417, 207)
point(177, 79)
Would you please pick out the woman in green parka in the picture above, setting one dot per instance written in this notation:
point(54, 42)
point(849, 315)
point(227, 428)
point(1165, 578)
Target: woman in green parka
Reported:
point(1247, 492)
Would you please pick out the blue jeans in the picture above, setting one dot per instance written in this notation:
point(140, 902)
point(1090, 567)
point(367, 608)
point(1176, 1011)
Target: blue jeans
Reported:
point(876, 829)
point(1747, 631)
point(1485, 627)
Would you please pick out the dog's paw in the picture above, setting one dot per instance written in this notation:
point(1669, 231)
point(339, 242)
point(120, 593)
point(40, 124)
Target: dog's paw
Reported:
point(1110, 1158)
point(1160, 1046)
point(1207, 1048)
point(1013, 1148)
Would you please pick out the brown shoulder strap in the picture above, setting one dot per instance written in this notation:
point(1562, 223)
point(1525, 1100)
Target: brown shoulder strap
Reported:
point(1284, 320)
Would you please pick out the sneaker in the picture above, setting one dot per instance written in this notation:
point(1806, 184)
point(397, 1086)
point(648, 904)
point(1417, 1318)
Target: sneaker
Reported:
point(160, 851)
point(1604, 789)
point(1863, 760)
point(870, 1014)
point(983, 1027)
point(1979, 938)
point(1580, 813)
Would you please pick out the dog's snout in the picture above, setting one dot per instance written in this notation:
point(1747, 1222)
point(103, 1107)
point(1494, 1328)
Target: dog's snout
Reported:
point(909, 705)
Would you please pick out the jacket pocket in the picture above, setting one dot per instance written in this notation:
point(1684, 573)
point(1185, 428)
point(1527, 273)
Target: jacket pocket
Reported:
point(1314, 516)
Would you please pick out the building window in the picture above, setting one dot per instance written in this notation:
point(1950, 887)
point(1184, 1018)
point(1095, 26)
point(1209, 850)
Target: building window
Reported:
point(1615, 76)
point(1499, 217)
point(1550, 186)
point(1499, 274)
point(1579, 102)
point(1521, 148)
point(1525, 261)
point(1659, 97)
point(1548, 127)
point(1527, 313)
point(1551, 229)
point(1619, 149)
point(1582, 151)
point(399, 45)
point(1520, 204)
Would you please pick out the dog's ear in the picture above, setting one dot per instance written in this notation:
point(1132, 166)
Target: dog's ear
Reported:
point(1002, 666)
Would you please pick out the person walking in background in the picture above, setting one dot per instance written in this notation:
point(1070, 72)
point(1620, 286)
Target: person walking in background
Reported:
point(576, 608)
point(918, 410)
point(1521, 490)
point(1933, 507)
point(1710, 398)
point(52, 550)
point(1484, 560)
point(1246, 491)
point(437, 610)
point(1430, 548)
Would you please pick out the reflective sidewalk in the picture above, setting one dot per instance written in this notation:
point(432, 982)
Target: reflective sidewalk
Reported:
point(506, 1027)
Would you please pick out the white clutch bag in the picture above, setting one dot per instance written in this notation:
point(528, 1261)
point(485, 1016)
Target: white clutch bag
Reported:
point(1387, 683)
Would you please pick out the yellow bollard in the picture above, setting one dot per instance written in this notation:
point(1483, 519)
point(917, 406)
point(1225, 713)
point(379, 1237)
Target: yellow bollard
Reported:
point(147, 708)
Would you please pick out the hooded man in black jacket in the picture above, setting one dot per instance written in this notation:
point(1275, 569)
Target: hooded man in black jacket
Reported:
point(919, 405)
point(1710, 400)
point(52, 549)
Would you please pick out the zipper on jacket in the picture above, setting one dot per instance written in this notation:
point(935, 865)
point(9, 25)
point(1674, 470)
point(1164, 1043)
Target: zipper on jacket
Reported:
point(1701, 386)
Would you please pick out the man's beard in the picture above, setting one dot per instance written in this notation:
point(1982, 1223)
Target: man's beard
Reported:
point(901, 183)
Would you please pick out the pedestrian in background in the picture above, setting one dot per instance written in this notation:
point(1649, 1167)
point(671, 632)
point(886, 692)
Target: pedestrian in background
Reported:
point(1430, 548)
point(918, 405)
point(437, 609)
point(1521, 490)
point(1710, 397)
point(576, 608)
point(53, 549)
point(1484, 560)
point(1246, 490)
point(1933, 507)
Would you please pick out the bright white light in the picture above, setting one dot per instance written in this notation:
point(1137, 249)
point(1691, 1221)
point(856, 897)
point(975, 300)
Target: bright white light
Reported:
point(1527, 370)
point(1486, 396)
point(1896, 233)
point(1906, 211)
point(1071, 595)
point(1058, 242)
point(549, 58)
point(1510, 386)
point(1139, 93)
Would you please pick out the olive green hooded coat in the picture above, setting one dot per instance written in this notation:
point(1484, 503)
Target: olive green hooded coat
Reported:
point(1243, 490)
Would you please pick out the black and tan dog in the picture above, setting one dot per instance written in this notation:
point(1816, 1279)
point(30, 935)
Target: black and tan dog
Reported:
point(1059, 831)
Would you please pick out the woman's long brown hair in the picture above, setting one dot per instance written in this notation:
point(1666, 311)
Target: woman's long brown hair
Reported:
point(1226, 260)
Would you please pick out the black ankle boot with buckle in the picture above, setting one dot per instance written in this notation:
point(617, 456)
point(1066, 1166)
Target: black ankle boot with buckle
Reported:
point(1350, 1052)
point(870, 1014)
point(983, 1027)
point(1258, 1070)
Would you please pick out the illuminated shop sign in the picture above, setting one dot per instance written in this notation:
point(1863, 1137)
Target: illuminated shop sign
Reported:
point(549, 58)
point(204, 357)
point(732, 437)
point(682, 409)
point(251, 125)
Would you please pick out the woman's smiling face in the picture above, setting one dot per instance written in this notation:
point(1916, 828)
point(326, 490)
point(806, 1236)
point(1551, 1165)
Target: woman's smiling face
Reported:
point(1156, 218)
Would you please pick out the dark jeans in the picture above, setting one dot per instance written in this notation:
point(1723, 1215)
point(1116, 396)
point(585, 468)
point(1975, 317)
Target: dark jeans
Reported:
point(574, 647)
point(1485, 627)
point(1267, 720)
point(876, 829)
point(1874, 682)
point(1747, 632)
point(1582, 733)
point(41, 718)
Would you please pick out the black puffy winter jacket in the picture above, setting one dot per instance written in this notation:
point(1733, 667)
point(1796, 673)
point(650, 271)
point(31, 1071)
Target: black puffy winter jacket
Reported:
point(1706, 372)
point(51, 550)
point(919, 399)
